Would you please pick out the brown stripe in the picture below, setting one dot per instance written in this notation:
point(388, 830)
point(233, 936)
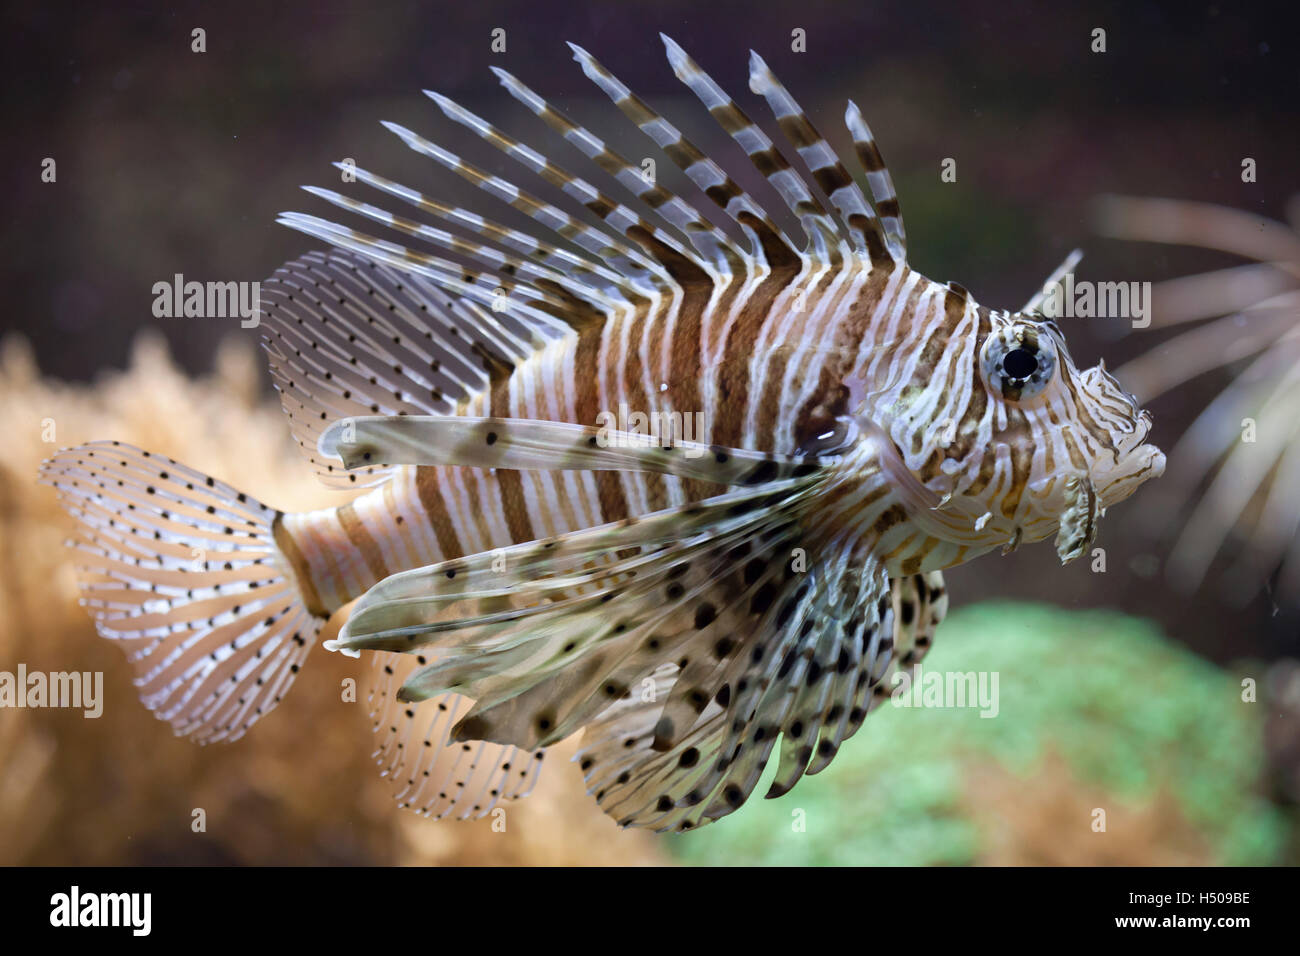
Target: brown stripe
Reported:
point(634, 108)
point(515, 506)
point(856, 323)
point(779, 255)
point(891, 516)
point(362, 540)
point(832, 178)
point(730, 117)
point(435, 509)
point(874, 236)
point(476, 509)
point(614, 504)
point(733, 378)
point(988, 467)
point(600, 207)
point(1077, 457)
point(769, 162)
point(1086, 420)
point(869, 155)
point(969, 423)
point(298, 564)
point(683, 393)
point(818, 414)
point(798, 130)
point(634, 395)
point(770, 400)
point(589, 324)
point(1022, 456)
point(510, 486)
point(326, 561)
point(685, 353)
point(923, 375)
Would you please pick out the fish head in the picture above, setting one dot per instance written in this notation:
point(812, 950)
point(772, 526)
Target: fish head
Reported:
point(1011, 439)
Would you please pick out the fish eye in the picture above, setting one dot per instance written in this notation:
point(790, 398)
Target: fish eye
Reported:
point(1018, 363)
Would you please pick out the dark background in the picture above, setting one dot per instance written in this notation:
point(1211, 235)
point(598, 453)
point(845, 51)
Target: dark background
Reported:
point(171, 161)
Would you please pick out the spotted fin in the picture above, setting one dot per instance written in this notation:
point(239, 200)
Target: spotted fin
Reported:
point(805, 675)
point(185, 574)
point(429, 773)
point(347, 336)
point(920, 605)
point(408, 609)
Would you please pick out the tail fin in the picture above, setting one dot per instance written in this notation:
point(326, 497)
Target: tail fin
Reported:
point(183, 570)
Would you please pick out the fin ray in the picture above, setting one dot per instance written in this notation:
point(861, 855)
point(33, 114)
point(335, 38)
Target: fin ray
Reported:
point(769, 243)
point(879, 182)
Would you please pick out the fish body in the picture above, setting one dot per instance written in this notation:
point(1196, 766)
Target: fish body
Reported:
point(830, 431)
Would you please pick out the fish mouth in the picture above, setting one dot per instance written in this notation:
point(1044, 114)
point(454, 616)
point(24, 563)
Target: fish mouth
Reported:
point(1136, 461)
point(1115, 473)
point(1141, 464)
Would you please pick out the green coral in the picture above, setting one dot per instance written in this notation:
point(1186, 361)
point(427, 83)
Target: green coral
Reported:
point(1128, 710)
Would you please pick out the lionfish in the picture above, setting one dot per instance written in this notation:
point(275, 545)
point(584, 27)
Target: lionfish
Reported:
point(522, 574)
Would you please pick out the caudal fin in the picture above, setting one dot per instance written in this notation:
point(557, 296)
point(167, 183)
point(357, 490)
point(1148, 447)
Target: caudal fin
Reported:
point(183, 571)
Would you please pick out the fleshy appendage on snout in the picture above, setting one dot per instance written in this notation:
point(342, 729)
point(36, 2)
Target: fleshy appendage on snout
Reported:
point(1085, 501)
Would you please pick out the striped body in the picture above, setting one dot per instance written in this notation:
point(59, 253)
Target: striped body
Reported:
point(753, 392)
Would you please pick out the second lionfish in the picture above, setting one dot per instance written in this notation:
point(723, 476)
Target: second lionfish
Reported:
point(695, 607)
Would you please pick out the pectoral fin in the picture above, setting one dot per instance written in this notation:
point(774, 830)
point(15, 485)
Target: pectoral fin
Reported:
point(513, 443)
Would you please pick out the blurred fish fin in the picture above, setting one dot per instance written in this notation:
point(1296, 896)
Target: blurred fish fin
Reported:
point(184, 572)
point(1065, 268)
point(427, 772)
point(346, 336)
